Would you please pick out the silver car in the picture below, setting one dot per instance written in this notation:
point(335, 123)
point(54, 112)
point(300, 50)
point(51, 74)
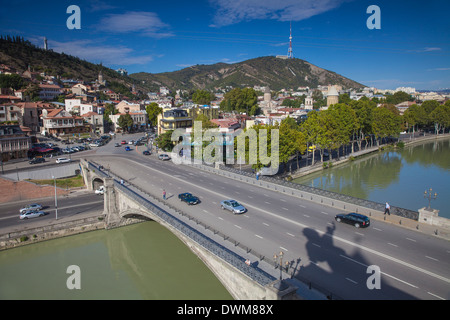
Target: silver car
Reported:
point(32, 214)
point(31, 207)
point(233, 206)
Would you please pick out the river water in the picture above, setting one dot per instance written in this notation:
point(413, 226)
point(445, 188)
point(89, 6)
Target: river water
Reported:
point(142, 261)
point(399, 177)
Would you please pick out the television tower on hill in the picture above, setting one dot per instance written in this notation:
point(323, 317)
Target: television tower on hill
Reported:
point(290, 55)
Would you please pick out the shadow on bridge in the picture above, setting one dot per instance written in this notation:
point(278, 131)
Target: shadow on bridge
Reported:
point(326, 261)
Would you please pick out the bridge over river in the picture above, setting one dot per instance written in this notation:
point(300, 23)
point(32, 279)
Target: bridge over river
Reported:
point(239, 250)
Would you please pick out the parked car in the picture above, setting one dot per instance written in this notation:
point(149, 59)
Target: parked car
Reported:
point(37, 160)
point(94, 144)
point(117, 144)
point(146, 153)
point(356, 219)
point(164, 157)
point(123, 142)
point(189, 198)
point(233, 206)
point(100, 190)
point(32, 214)
point(31, 207)
point(62, 160)
point(127, 148)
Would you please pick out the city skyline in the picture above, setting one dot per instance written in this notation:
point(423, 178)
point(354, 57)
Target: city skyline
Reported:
point(411, 48)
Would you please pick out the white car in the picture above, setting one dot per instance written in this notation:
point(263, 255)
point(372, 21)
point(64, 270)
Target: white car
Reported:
point(62, 160)
point(100, 190)
point(31, 207)
point(32, 214)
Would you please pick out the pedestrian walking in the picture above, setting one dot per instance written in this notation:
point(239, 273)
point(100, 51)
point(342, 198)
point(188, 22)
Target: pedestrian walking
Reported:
point(387, 209)
point(164, 194)
point(121, 181)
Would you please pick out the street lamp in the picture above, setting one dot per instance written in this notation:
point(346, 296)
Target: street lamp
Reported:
point(278, 261)
point(56, 199)
point(430, 196)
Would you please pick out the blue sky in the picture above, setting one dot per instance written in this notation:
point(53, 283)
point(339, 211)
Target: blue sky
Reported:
point(412, 48)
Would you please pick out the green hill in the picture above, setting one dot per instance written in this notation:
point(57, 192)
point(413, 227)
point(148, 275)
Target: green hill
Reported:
point(264, 71)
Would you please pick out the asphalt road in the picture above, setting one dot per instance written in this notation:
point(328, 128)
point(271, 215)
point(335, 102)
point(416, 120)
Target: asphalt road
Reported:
point(80, 206)
point(332, 255)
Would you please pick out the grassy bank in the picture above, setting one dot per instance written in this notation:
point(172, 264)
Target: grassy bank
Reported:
point(66, 183)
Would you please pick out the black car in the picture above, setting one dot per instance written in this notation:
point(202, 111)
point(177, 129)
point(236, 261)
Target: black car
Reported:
point(188, 198)
point(37, 160)
point(146, 152)
point(356, 219)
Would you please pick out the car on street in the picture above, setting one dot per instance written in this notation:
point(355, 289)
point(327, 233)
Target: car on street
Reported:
point(37, 160)
point(31, 207)
point(164, 157)
point(117, 145)
point(127, 148)
point(233, 206)
point(356, 219)
point(32, 214)
point(100, 190)
point(189, 198)
point(123, 142)
point(62, 160)
point(146, 153)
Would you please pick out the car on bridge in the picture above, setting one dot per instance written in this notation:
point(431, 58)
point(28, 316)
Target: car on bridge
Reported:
point(32, 214)
point(356, 219)
point(233, 206)
point(189, 198)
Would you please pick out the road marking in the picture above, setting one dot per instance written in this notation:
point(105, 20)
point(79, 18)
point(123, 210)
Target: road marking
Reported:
point(391, 244)
point(257, 235)
point(250, 197)
point(283, 200)
point(322, 233)
point(432, 258)
point(265, 224)
point(266, 202)
point(283, 248)
point(324, 212)
point(411, 239)
point(290, 234)
point(237, 226)
point(305, 215)
point(377, 229)
point(315, 244)
point(435, 295)
point(301, 206)
point(359, 233)
point(220, 218)
point(285, 208)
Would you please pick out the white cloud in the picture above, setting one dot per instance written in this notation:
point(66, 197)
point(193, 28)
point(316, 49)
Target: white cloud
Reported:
point(145, 23)
point(235, 11)
point(90, 50)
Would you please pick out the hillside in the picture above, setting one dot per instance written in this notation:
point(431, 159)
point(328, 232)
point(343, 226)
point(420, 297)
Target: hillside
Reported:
point(264, 71)
point(21, 54)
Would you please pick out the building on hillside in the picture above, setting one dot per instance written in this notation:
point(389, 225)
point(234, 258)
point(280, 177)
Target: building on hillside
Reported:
point(96, 122)
point(14, 143)
point(332, 97)
point(140, 120)
point(125, 107)
point(49, 91)
point(60, 122)
point(171, 119)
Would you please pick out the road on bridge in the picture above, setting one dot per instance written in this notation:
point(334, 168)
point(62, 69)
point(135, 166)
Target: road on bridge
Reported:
point(331, 255)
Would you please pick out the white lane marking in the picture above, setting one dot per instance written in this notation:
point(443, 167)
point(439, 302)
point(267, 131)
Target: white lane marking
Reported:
point(282, 248)
point(257, 235)
point(435, 296)
point(432, 258)
point(352, 281)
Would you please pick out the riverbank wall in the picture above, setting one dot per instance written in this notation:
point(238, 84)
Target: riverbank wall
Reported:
point(48, 232)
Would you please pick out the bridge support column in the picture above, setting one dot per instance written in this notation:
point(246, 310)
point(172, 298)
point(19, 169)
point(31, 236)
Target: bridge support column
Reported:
point(110, 209)
point(281, 290)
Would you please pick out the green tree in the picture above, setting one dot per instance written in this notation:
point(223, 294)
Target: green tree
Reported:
point(440, 116)
point(11, 81)
point(386, 123)
point(164, 141)
point(125, 122)
point(240, 100)
point(203, 97)
point(153, 110)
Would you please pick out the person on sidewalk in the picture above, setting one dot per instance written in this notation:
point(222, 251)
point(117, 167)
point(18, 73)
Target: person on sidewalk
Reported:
point(387, 209)
point(164, 194)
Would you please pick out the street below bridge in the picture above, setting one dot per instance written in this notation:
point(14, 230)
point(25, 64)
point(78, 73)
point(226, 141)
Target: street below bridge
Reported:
point(332, 256)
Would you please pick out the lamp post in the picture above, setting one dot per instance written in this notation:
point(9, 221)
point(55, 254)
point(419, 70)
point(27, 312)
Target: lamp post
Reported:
point(430, 196)
point(278, 260)
point(56, 199)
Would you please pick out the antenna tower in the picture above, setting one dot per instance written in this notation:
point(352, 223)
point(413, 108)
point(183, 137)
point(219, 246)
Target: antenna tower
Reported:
point(290, 55)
